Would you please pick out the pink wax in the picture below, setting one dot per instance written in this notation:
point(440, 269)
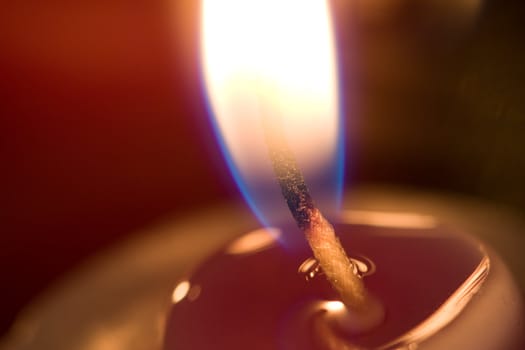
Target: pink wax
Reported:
point(263, 291)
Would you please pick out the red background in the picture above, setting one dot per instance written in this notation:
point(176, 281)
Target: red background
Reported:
point(102, 130)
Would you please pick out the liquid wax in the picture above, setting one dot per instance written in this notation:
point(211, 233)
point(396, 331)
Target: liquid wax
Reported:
point(266, 292)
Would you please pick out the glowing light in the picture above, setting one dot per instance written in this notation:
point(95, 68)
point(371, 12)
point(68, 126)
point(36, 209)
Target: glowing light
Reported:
point(180, 291)
point(389, 219)
point(334, 306)
point(254, 241)
point(273, 58)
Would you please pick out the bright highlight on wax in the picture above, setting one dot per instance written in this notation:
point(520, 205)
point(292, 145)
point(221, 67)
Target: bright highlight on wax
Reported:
point(180, 291)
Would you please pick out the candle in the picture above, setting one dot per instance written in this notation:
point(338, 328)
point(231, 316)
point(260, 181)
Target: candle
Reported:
point(440, 290)
point(107, 302)
point(119, 300)
point(270, 69)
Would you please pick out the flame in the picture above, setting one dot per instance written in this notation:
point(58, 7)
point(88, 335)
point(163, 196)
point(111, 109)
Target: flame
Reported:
point(274, 59)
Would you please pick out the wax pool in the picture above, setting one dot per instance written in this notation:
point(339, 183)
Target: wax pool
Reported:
point(264, 291)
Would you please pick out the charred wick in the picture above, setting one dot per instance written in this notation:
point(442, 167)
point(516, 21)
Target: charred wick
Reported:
point(293, 188)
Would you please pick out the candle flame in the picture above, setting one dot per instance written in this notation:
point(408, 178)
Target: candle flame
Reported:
point(274, 59)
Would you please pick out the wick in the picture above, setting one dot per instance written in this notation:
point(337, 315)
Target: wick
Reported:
point(365, 312)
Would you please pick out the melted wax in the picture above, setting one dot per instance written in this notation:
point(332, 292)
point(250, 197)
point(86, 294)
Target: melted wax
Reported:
point(264, 291)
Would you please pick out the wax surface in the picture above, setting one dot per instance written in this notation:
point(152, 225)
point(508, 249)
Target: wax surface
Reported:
point(120, 300)
point(254, 297)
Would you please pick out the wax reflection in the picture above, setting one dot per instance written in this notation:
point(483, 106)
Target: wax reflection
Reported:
point(185, 290)
point(333, 306)
point(390, 219)
point(254, 241)
point(362, 266)
point(180, 291)
point(450, 309)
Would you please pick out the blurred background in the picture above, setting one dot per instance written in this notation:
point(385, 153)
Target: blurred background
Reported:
point(103, 127)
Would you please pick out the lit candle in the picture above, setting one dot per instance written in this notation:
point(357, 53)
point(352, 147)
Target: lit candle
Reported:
point(270, 68)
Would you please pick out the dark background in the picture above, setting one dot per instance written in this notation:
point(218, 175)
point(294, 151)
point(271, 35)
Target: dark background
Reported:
point(103, 128)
